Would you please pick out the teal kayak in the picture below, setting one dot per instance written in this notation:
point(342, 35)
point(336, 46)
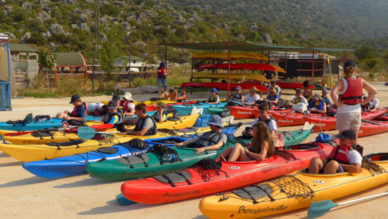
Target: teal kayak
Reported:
point(184, 110)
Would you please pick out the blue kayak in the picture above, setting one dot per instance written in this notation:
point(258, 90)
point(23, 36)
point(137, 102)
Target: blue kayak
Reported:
point(76, 164)
point(184, 110)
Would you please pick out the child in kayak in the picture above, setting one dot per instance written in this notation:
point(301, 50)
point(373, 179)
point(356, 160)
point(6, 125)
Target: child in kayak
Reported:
point(127, 104)
point(159, 115)
point(277, 88)
point(325, 98)
point(317, 105)
point(146, 125)
point(298, 98)
point(263, 116)
point(113, 117)
point(307, 92)
point(343, 158)
point(260, 148)
point(273, 98)
point(238, 95)
point(77, 116)
point(212, 140)
point(214, 98)
point(370, 106)
point(250, 99)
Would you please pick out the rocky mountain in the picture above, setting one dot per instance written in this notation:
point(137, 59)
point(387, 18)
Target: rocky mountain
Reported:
point(69, 25)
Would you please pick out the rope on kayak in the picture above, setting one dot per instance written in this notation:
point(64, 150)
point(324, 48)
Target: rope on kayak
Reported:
point(165, 154)
point(293, 187)
point(208, 168)
point(373, 168)
point(287, 156)
point(134, 145)
point(168, 131)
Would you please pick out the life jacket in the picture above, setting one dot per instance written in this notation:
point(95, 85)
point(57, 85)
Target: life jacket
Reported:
point(74, 112)
point(353, 94)
point(297, 100)
point(109, 116)
point(325, 99)
point(125, 104)
point(267, 121)
point(162, 72)
point(213, 98)
point(156, 118)
point(207, 139)
point(236, 96)
point(183, 100)
point(151, 131)
point(340, 153)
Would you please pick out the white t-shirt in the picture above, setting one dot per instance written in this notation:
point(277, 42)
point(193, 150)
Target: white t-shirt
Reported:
point(354, 157)
point(375, 102)
point(271, 125)
point(302, 100)
point(250, 99)
point(94, 106)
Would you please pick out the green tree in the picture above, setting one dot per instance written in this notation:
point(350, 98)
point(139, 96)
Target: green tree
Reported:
point(46, 62)
point(38, 39)
point(385, 58)
point(372, 65)
point(20, 14)
point(365, 52)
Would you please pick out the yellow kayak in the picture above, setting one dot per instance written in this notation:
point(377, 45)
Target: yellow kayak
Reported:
point(56, 136)
point(297, 191)
point(236, 77)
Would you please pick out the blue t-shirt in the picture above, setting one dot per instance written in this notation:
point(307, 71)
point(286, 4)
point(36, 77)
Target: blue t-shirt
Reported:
point(319, 107)
point(326, 100)
point(81, 112)
point(115, 119)
point(272, 98)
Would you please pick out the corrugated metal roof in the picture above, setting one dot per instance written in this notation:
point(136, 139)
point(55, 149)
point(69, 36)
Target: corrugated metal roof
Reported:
point(133, 58)
point(70, 59)
point(15, 47)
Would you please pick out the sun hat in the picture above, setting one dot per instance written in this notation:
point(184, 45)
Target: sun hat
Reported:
point(347, 134)
point(116, 97)
point(214, 90)
point(127, 96)
point(254, 89)
point(112, 104)
point(74, 98)
point(216, 121)
point(238, 88)
point(316, 96)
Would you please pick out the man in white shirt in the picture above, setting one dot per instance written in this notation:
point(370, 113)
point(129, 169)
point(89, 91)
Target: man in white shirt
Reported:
point(251, 98)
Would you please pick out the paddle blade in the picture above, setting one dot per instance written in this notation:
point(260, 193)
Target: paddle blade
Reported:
point(124, 201)
point(318, 209)
point(86, 132)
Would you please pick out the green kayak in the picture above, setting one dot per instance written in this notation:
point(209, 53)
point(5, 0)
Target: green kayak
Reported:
point(317, 86)
point(217, 110)
point(161, 160)
point(294, 137)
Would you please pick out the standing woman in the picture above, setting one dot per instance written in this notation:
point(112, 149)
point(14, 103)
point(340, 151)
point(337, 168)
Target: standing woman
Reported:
point(349, 101)
point(307, 92)
point(162, 74)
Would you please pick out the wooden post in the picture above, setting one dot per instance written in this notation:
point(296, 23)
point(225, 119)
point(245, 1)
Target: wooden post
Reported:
point(129, 70)
point(228, 70)
point(285, 67)
point(93, 75)
point(313, 68)
point(27, 67)
point(165, 54)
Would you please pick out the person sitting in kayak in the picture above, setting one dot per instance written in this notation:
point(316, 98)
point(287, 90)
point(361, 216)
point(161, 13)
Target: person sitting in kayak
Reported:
point(127, 104)
point(159, 115)
point(273, 98)
point(317, 105)
point(298, 98)
point(113, 117)
point(212, 140)
point(146, 125)
point(343, 158)
point(260, 148)
point(370, 106)
point(182, 97)
point(307, 92)
point(263, 116)
point(214, 98)
point(96, 109)
point(325, 98)
point(77, 116)
point(250, 99)
point(238, 95)
point(277, 88)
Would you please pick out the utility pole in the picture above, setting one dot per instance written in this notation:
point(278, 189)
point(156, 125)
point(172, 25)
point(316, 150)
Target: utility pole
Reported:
point(129, 69)
point(97, 10)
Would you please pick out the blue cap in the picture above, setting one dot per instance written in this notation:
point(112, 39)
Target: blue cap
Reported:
point(238, 88)
point(214, 90)
point(163, 64)
point(215, 120)
point(349, 63)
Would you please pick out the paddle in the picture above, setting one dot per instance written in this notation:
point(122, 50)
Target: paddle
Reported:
point(88, 132)
point(124, 201)
point(318, 209)
point(376, 123)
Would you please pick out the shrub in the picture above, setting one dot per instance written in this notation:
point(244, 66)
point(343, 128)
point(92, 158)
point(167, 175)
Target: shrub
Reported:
point(69, 87)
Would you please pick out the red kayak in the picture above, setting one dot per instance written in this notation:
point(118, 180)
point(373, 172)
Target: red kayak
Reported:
point(373, 127)
point(284, 84)
point(198, 181)
point(244, 66)
point(154, 108)
point(224, 86)
point(325, 123)
point(247, 112)
point(289, 118)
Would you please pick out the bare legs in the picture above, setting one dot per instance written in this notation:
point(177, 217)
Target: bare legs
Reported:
point(173, 96)
point(237, 153)
point(316, 165)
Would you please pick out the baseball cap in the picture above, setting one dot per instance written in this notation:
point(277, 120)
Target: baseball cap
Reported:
point(347, 134)
point(238, 88)
point(74, 98)
point(161, 104)
point(273, 82)
point(349, 63)
point(116, 97)
point(214, 90)
point(216, 121)
point(112, 104)
point(325, 91)
point(184, 88)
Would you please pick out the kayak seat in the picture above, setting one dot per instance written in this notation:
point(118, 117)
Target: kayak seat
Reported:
point(136, 159)
point(377, 157)
point(107, 150)
point(23, 122)
point(254, 192)
point(168, 141)
point(174, 177)
point(42, 134)
point(301, 147)
point(173, 119)
point(66, 143)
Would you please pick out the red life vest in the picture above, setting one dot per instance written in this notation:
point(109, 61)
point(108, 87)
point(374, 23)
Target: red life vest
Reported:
point(162, 72)
point(74, 112)
point(340, 154)
point(125, 104)
point(353, 94)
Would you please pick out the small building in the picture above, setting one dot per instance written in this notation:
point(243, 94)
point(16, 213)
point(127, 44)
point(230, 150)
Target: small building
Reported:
point(24, 62)
point(136, 63)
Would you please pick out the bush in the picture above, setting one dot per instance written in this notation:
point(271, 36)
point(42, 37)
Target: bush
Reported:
point(38, 81)
point(69, 87)
point(136, 82)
